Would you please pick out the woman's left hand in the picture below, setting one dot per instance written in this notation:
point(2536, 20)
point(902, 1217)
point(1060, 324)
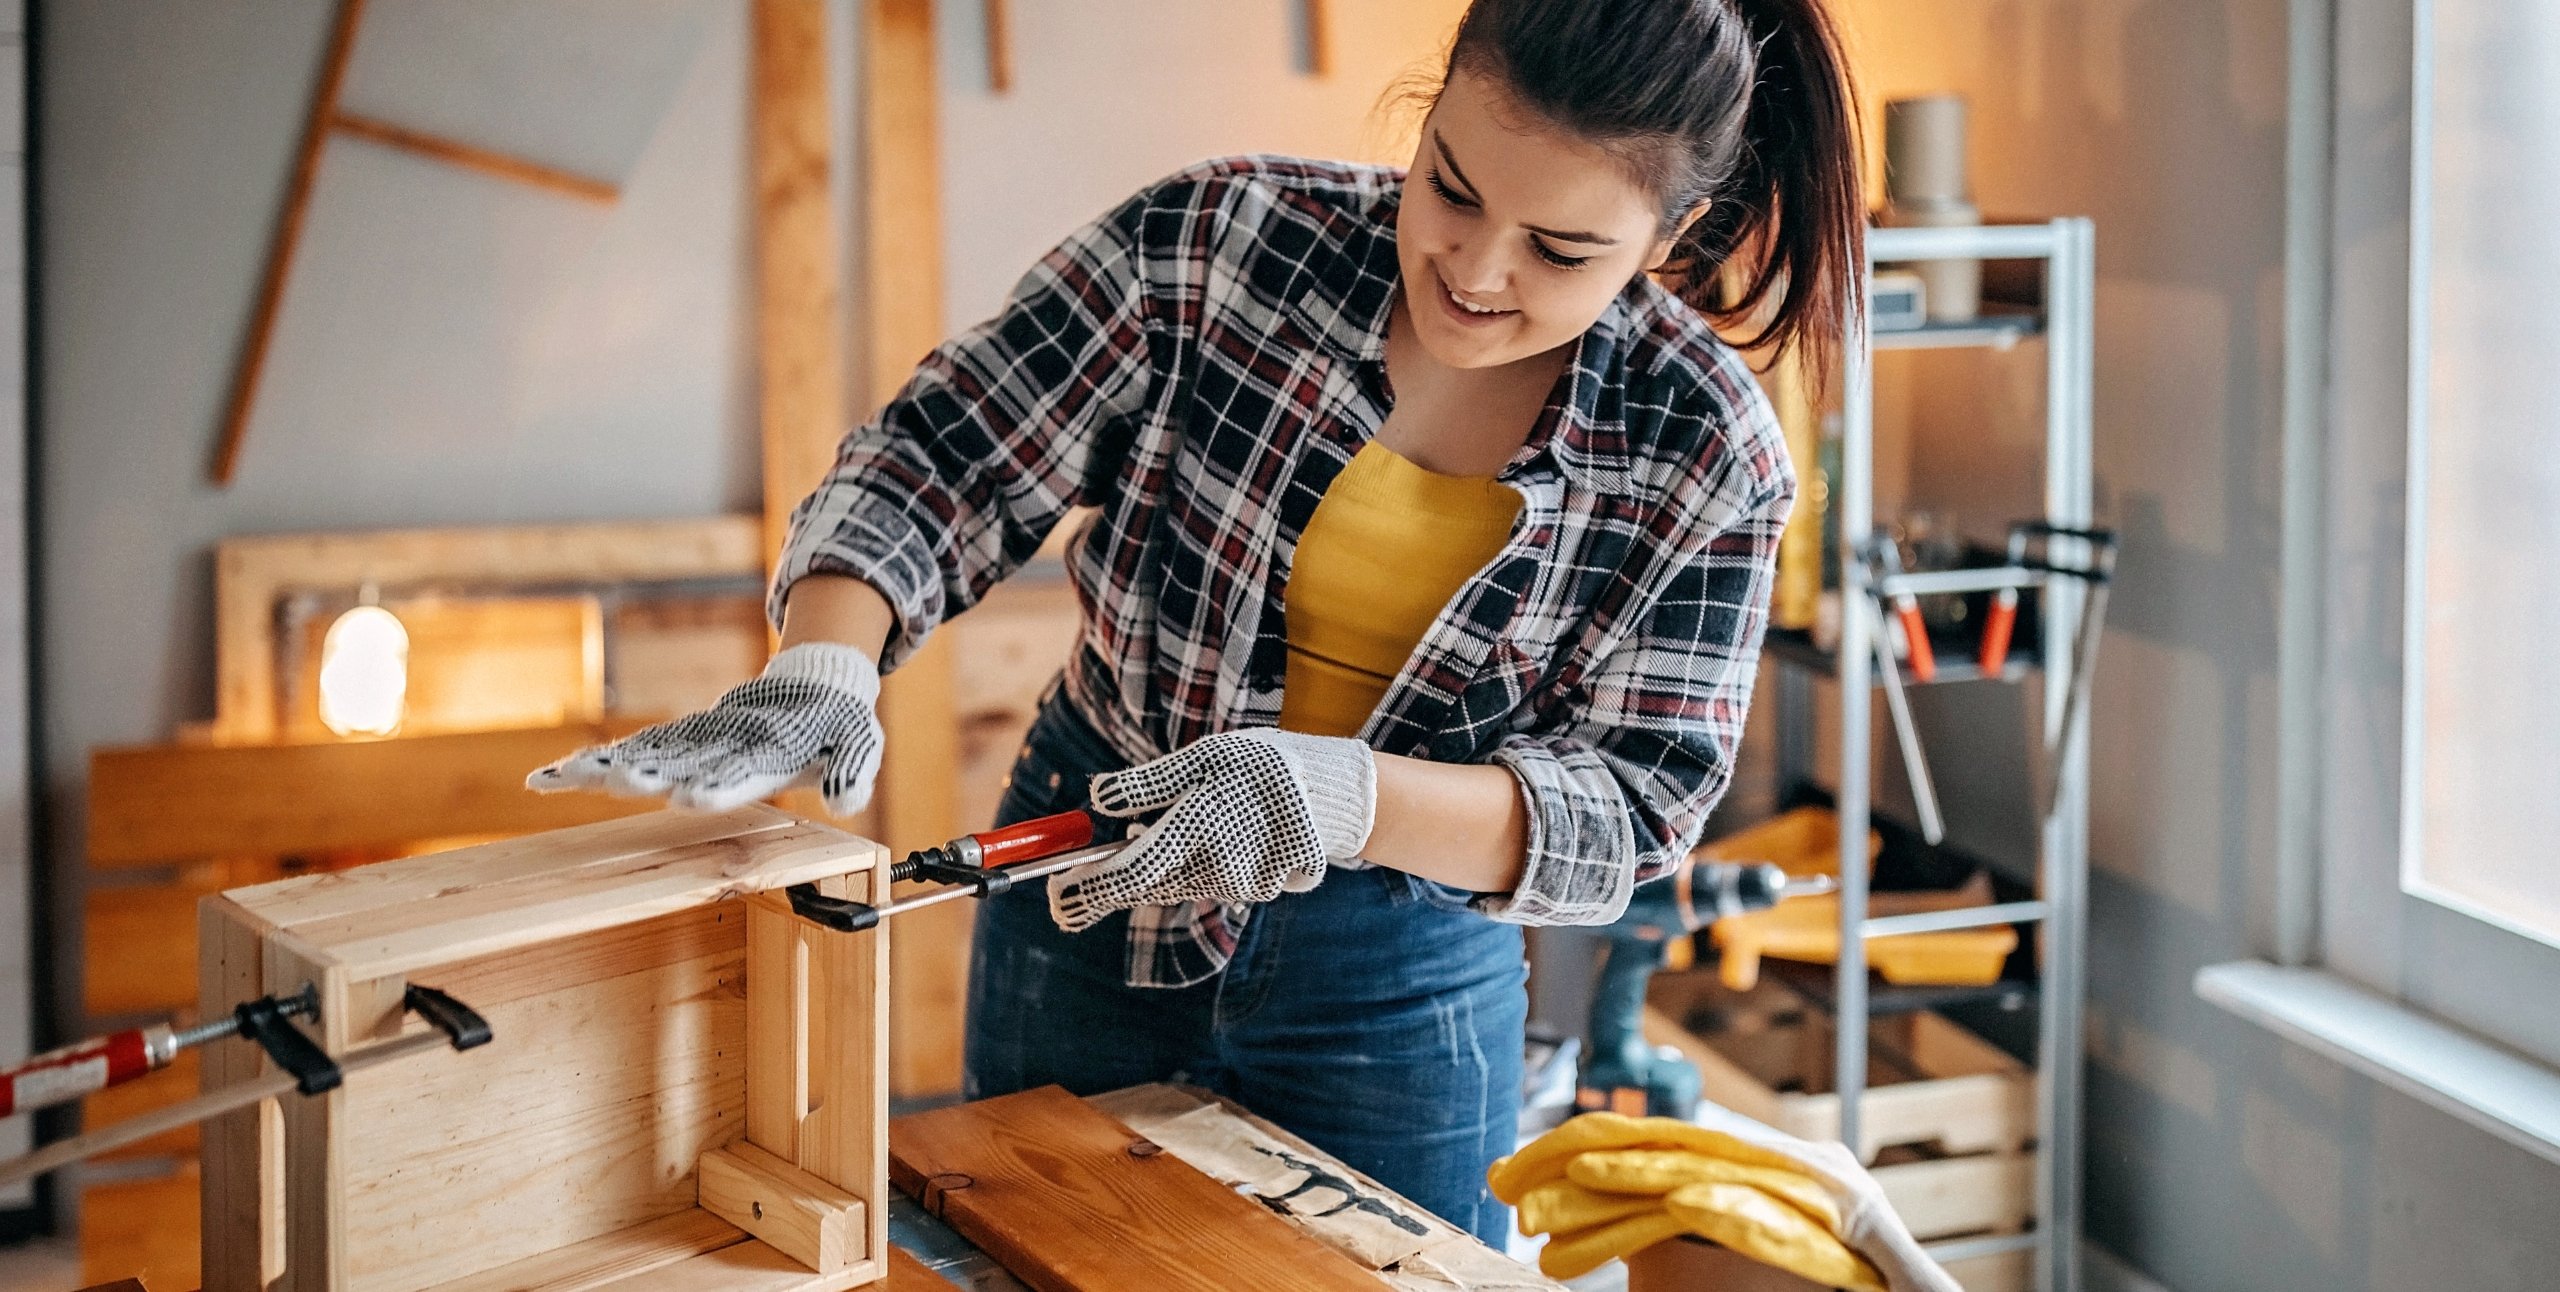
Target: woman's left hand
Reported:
point(1248, 815)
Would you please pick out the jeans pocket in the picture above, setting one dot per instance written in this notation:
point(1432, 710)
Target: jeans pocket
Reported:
point(1447, 897)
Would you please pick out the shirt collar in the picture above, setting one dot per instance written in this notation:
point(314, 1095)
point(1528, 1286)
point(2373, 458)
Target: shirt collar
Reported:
point(1585, 435)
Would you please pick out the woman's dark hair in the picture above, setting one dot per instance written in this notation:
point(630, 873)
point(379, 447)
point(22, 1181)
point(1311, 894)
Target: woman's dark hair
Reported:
point(1742, 104)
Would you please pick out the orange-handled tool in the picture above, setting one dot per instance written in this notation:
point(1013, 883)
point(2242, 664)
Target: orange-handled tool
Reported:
point(1906, 611)
point(1996, 627)
point(1010, 845)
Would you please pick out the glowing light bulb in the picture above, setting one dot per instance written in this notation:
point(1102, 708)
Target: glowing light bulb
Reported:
point(364, 673)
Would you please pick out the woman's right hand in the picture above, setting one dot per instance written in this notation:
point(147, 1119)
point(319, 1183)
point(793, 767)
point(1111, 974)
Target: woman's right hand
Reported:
point(812, 717)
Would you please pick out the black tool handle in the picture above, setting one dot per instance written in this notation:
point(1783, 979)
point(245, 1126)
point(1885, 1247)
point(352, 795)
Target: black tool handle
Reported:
point(459, 1022)
point(263, 1021)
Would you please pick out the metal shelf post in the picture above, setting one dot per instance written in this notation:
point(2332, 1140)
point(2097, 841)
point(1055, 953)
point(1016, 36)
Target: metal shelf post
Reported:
point(2068, 248)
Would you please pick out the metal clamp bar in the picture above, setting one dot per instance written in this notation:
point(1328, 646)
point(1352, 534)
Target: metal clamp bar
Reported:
point(1963, 917)
point(1984, 578)
point(847, 916)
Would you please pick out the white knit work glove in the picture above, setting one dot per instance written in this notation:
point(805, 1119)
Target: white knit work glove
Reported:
point(812, 717)
point(1249, 815)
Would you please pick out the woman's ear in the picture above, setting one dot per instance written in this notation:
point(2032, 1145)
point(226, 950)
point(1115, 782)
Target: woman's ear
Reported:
point(1663, 246)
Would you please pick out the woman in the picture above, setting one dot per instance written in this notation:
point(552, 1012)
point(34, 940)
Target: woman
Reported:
point(1518, 503)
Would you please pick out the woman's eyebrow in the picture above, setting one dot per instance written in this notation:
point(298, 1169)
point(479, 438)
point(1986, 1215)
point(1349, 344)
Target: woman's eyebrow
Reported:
point(1450, 160)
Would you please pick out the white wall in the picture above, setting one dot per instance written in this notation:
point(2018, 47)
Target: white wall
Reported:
point(1108, 97)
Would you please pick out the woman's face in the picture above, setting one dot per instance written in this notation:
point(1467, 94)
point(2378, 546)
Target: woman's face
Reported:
point(1514, 235)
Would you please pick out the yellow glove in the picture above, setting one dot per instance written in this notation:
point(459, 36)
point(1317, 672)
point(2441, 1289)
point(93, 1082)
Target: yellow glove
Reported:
point(1577, 1252)
point(1545, 1157)
point(1658, 1171)
point(1559, 1206)
point(1771, 1232)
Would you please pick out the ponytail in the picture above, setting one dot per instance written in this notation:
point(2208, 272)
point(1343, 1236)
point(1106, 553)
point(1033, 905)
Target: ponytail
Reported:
point(1744, 105)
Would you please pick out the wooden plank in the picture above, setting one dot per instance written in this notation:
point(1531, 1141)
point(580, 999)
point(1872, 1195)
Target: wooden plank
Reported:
point(488, 919)
point(800, 350)
point(315, 1135)
point(142, 1229)
point(907, 1274)
point(279, 268)
point(845, 1137)
point(155, 805)
point(241, 1223)
point(307, 899)
point(749, 1267)
point(608, 1258)
point(777, 1025)
point(1068, 1199)
point(252, 573)
point(138, 949)
point(497, 165)
point(1942, 1197)
point(798, 1214)
point(486, 982)
point(614, 1088)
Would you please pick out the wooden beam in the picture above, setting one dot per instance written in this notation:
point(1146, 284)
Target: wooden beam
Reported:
point(297, 204)
point(901, 317)
point(157, 805)
point(999, 24)
point(1319, 38)
point(497, 165)
point(801, 356)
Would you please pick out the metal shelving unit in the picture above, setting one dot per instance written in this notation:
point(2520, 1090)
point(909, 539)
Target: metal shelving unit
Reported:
point(2059, 905)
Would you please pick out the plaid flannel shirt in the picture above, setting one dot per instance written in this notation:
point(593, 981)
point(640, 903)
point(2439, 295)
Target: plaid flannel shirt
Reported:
point(1197, 365)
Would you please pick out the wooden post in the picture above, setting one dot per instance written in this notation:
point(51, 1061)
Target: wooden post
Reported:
point(901, 323)
point(801, 358)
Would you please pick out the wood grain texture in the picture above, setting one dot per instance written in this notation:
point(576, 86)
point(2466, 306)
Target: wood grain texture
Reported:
point(800, 351)
point(612, 1089)
point(777, 1025)
point(142, 1229)
point(490, 918)
point(796, 1213)
point(608, 1259)
point(279, 268)
point(155, 805)
point(252, 573)
point(472, 157)
point(242, 1227)
point(1051, 1188)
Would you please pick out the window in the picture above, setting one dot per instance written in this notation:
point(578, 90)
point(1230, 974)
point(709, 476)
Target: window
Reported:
point(2436, 740)
point(2480, 826)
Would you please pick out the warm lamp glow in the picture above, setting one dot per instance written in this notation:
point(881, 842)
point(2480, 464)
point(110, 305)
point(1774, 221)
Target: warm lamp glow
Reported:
point(364, 673)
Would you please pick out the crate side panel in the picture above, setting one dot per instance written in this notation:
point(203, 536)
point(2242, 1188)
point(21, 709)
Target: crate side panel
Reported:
point(584, 1116)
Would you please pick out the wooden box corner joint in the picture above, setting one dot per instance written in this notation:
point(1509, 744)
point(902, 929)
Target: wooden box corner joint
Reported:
point(686, 1080)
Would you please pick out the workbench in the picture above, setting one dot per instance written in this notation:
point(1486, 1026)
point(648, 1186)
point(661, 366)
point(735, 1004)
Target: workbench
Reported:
point(1398, 1244)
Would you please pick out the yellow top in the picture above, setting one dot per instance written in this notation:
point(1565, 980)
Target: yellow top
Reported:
point(1387, 547)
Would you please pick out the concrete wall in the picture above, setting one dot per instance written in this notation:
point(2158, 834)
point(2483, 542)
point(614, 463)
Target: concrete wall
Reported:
point(2218, 1157)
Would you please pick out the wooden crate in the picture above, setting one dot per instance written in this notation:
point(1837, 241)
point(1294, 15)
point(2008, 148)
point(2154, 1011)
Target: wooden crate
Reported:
point(1947, 1123)
point(1690, 1264)
point(687, 1081)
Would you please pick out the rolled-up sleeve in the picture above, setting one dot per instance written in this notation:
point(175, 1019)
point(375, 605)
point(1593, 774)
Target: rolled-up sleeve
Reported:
point(1620, 788)
point(1002, 430)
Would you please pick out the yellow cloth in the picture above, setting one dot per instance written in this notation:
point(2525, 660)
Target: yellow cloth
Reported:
point(1604, 1185)
point(1388, 545)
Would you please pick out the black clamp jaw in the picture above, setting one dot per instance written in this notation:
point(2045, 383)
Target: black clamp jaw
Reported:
point(845, 915)
point(268, 1021)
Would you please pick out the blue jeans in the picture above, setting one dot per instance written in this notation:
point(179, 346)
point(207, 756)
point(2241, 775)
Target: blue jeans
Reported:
point(1374, 1016)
